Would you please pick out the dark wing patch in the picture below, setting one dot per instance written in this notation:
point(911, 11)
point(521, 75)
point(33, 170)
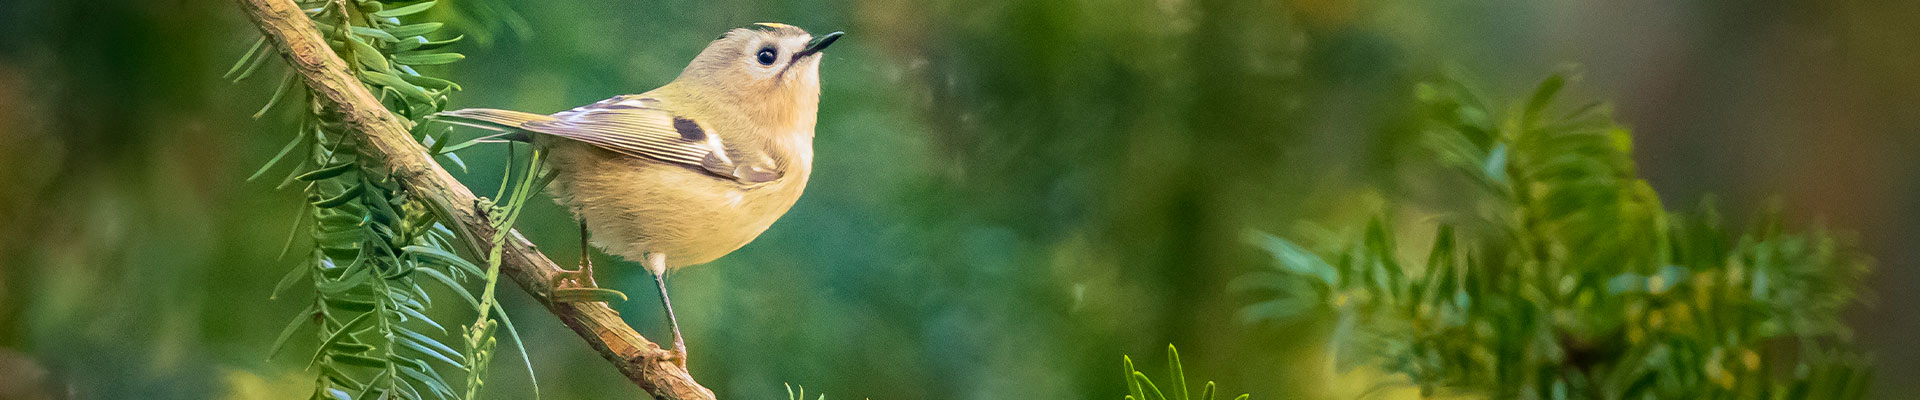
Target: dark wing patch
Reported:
point(689, 130)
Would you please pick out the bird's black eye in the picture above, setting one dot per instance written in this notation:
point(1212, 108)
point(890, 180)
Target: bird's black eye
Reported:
point(767, 56)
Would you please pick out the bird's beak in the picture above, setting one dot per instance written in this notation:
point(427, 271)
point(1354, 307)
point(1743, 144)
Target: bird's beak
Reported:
point(819, 44)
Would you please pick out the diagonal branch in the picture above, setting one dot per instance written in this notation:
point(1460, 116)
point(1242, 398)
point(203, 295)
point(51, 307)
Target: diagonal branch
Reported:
point(384, 139)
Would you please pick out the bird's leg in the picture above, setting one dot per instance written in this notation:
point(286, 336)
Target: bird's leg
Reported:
point(586, 257)
point(578, 285)
point(571, 279)
point(657, 265)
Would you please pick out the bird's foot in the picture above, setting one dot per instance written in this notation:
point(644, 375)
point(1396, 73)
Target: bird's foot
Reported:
point(577, 286)
point(677, 356)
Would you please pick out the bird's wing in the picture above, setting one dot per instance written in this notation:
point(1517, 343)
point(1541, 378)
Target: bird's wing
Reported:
point(645, 127)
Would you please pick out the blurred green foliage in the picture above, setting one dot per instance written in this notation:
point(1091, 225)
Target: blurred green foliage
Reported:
point(1008, 194)
point(1570, 281)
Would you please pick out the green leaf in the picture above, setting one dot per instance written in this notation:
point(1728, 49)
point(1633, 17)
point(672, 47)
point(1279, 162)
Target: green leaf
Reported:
point(455, 159)
point(1133, 385)
point(417, 297)
point(423, 349)
point(457, 289)
point(246, 59)
point(367, 55)
point(443, 257)
point(281, 90)
point(302, 319)
point(521, 345)
point(332, 372)
point(374, 391)
point(436, 44)
point(344, 347)
point(437, 384)
point(546, 178)
point(291, 173)
point(332, 238)
point(408, 44)
point(1147, 384)
point(342, 198)
point(258, 60)
point(435, 142)
point(326, 172)
point(334, 220)
point(436, 145)
point(357, 360)
point(406, 389)
point(293, 276)
point(340, 253)
point(356, 276)
point(1295, 259)
point(1179, 375)
point(428, 58)
point(468, 143)
point(284, 150)
point(408, 90)
point(345, 332)
point(399, 270)
point(383, 35)
point(404, 11)
point(1542, 96)
point(353, 305)
point(414, 29)
point(292, 231)
point(415, 314)
point(426, 345)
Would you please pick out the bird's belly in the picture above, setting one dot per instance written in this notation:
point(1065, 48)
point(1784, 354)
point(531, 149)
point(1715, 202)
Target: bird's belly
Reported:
point(637, 206)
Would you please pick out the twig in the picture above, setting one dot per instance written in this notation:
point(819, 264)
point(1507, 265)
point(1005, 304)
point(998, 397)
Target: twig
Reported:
point(385, 140)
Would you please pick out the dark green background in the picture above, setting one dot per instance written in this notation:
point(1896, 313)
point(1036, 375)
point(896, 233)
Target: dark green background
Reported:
point(1008, 196)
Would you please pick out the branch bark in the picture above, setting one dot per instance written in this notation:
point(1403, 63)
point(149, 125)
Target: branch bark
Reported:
point(384, 140)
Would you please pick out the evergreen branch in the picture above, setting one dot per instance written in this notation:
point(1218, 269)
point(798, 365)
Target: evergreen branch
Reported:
point(1568, 279)
point(387, 149)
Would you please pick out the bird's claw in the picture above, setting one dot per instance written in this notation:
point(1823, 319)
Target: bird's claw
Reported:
point(677, 356)
point(588, 295)
point(566, 279)
point(575, 286)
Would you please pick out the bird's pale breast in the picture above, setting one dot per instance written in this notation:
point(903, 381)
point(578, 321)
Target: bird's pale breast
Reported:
point(634, 206)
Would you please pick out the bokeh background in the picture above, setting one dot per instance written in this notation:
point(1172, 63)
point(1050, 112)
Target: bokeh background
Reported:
point(1009, 195)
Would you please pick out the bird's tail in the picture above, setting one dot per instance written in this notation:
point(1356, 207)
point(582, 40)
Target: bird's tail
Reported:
point(504, 121)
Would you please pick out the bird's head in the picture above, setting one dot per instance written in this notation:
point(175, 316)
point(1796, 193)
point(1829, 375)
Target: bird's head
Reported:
point(770, 69)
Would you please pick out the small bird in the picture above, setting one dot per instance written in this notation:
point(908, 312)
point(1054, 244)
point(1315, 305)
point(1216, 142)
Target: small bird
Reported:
point(686, 173)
